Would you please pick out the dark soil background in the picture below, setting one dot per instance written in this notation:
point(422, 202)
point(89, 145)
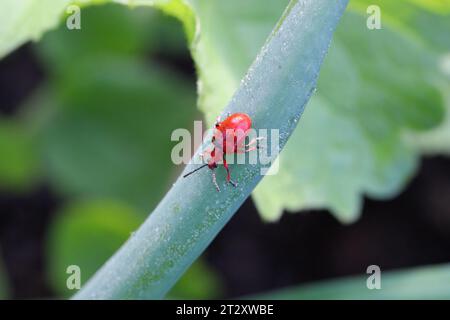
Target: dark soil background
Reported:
point(250, 255)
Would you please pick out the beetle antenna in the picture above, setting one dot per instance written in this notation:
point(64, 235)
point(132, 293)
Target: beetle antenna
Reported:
point(195, 170)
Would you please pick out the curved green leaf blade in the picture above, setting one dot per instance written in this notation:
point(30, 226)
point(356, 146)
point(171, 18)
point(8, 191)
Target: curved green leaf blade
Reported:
point(274, 93)
point(429, 282)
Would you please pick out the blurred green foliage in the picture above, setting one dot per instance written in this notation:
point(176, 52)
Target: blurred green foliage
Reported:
point(86, 234)
point(18, 160)
point(199, 282)
point(114, 110)
point(114, 130)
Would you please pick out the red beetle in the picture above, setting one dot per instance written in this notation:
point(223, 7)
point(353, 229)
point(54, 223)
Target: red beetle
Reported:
point(232, 130)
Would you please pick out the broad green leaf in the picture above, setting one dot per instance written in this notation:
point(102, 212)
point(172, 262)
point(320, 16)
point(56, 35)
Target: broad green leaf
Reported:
point(436, 141)
point(363, 151)
point(86, 234)
point(24, 20)
point(344, 173)
point(425, 21)
point(429, 29)
point(429, 282)
point(18, 161)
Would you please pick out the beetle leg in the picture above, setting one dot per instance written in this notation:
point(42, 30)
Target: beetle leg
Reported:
point(251, 145)
point(253, 141)
point(244, 150)
point(225, 164)
point(251, 149)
